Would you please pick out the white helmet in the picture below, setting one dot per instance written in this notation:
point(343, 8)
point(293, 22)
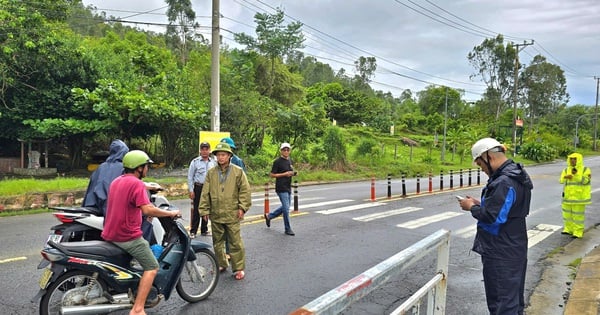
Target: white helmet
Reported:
point(484, 145)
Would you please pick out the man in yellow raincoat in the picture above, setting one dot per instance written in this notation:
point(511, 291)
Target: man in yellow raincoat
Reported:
point(577, 193)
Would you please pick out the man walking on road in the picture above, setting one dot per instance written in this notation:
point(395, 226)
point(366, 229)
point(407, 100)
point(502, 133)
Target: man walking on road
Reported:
point(282, 171)
point(196, 176)
point(577, 193)
point(501, 237)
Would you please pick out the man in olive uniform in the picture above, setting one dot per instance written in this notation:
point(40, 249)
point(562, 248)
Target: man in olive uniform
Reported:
point(225, 199)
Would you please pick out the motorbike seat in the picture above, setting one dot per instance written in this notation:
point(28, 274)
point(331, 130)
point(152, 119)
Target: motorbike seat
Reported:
point(91, 210)
point(89, 249)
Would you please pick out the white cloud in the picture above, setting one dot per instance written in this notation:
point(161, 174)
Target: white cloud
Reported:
point(566, 32)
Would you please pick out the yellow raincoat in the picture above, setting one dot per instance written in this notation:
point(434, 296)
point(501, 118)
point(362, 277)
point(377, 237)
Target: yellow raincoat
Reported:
point(577, 193)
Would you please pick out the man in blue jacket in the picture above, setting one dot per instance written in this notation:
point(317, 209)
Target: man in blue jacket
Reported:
point(501, 237)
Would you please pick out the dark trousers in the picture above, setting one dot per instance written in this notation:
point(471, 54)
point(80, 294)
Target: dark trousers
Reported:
point(196, 215)
point(504, 282)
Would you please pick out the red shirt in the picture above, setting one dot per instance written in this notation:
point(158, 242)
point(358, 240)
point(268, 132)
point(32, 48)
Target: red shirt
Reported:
point(123, 219)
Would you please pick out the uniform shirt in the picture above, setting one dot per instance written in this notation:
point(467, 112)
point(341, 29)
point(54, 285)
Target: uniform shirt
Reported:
point(224, 193)
point(197, 171)
point(123, 219)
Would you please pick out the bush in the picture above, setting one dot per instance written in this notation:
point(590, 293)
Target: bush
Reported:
point(366, 147)
point(334, 148)
point(539, 152)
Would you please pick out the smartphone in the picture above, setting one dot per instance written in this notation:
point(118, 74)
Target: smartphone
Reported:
point(459, 197)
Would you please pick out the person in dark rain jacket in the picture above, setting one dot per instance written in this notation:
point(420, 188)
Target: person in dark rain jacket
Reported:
point(97, 190)
point(501, 237)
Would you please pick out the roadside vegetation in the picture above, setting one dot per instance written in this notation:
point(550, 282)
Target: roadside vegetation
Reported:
point(78, 80)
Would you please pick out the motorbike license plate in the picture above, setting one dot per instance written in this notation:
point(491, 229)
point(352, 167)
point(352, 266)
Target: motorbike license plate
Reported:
point(45, 278)
point(53, 237)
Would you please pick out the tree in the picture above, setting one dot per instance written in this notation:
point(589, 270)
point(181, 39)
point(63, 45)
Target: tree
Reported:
point(434, 99)
point(544, 88)
point(40, 62)
point(274, 40)
point(365, 66)
point(494, 63)
point(181, 30)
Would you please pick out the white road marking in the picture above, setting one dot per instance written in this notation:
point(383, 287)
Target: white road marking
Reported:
point(324, 203)
point(467, 231)
point(276, 200)
point(385, 214)
point(351, 208)
point(540, 232)
point(413, 224)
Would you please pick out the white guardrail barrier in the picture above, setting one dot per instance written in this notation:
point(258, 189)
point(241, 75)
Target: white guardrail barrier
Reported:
point(340, 298)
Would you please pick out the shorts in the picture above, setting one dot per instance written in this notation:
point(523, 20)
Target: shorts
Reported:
point(140, 250)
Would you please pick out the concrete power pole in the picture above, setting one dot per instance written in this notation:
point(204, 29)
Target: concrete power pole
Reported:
point(215, 109)
point(518, 47)
point(596, 116)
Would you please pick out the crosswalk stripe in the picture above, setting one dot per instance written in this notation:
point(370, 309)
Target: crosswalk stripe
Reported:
point(540, 232)
point(351, 208)
point(274, 201)
point(324, 203)
point(467, 231)
point(535, 235)
point(413, 224)
point(381, 215)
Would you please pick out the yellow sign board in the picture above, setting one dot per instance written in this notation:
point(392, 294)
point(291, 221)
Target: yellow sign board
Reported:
point(212, 137)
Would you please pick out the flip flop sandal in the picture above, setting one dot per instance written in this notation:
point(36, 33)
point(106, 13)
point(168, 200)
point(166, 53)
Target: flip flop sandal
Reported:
point(239, 275)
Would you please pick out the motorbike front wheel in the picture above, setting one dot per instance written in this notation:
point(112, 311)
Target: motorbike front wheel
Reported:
point(73, 288)
point(199, 278)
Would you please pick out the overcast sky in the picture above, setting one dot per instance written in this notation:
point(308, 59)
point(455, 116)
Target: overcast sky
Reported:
point(416, 42)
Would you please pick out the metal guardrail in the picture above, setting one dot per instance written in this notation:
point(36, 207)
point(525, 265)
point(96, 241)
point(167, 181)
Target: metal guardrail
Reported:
point(340, 298)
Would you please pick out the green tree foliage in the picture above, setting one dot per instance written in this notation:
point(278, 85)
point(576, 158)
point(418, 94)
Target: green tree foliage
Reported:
point(544, 88)
point(493, 62)
point(301, 125)
point(312, 70)
point(40, 62)
point(67, 76)
point(440, 99)
point(181, 31)
point(365, 67)
point(274, 39)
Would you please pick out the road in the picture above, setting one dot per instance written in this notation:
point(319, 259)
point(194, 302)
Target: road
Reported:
point(340, 233)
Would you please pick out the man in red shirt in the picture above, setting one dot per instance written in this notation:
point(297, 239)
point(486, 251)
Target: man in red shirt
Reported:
point(127, 200)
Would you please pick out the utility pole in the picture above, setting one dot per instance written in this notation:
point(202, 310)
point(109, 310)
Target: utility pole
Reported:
point(518, 48)
point(596, 115)
point(215, 110)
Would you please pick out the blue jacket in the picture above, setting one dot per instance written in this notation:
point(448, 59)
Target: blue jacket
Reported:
point(235, 160)
point(97, 190)
point(505, 201)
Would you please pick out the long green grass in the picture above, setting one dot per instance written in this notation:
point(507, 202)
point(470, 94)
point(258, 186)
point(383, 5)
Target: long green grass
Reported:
point(13, 187)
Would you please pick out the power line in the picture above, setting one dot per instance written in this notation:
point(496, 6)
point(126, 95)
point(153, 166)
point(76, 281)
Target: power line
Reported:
point(374, 55)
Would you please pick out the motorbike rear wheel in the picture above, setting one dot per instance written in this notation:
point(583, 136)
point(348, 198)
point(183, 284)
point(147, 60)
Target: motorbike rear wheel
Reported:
point(54, 298)
point(199, 278)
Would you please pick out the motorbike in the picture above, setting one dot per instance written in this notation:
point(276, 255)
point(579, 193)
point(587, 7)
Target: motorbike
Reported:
point(86, 223)
point(97, 277)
